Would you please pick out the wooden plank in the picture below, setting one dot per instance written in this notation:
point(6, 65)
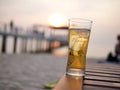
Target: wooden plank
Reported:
point(103, 75)
point(103, 72)
point(105, 66)
point(87, 87)
point(102, 64)
point(103, 69)
point(104, 79)
point(102, 84)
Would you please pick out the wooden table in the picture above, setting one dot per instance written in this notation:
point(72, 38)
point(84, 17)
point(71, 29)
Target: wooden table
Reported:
point(99, 76)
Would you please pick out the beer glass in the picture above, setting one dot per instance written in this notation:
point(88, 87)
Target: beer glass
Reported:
point(78, 38)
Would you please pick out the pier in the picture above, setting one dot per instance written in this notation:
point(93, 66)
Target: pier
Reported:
point(40, 39)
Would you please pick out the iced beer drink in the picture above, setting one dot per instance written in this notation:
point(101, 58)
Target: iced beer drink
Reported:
point(78, 42)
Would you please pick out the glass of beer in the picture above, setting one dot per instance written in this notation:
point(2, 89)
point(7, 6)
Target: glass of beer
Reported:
point(78, 38)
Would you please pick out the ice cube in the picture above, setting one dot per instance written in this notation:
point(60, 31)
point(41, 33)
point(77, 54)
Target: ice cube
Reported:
point(73, 40)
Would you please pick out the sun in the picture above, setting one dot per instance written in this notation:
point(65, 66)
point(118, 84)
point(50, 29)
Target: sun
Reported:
point(56, 20)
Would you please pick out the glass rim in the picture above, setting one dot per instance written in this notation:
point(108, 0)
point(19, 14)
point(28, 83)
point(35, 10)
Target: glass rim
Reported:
point(79, 20)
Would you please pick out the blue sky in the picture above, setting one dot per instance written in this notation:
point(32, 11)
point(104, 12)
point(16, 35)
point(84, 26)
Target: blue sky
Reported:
point(104, 13)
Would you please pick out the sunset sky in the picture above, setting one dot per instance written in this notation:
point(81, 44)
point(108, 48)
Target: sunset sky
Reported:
point(105, 15)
